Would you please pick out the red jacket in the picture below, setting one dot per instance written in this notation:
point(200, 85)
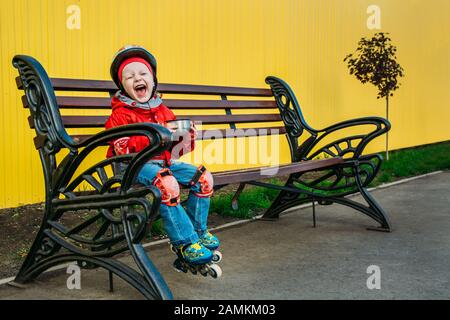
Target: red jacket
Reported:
point(123, 114)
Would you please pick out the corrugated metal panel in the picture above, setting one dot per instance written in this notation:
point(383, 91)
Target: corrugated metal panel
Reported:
point(231, 42)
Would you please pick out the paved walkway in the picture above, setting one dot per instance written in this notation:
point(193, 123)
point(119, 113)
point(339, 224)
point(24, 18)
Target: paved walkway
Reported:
point(289, 259)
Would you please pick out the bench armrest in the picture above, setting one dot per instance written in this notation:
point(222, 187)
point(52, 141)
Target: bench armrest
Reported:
point(160, 140)
point(378, 121)
point(147, 129)
point(359, 141)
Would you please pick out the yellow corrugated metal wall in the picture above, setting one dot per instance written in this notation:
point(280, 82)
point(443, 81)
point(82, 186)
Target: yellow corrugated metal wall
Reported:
point(233, 42)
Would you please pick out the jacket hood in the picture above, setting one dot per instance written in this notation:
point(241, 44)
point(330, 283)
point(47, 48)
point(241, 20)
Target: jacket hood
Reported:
point(120, 100)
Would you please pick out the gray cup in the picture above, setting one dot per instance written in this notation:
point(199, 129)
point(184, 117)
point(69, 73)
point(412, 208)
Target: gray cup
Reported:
point(181, 127)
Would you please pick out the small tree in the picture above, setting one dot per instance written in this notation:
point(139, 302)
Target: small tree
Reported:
point(375, 62)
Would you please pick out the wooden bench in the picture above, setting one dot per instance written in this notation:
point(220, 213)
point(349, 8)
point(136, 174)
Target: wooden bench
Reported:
point(124, 211)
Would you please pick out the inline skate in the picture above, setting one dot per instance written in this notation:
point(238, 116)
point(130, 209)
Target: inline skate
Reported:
point(196, 258)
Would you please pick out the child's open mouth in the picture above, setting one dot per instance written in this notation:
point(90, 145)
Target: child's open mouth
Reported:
point(141, 90)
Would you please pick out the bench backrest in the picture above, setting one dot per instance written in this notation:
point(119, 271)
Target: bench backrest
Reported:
point(64, 112)
point(264, 112)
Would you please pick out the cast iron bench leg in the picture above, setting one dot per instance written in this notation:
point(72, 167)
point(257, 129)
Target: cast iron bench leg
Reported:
point(287, 199)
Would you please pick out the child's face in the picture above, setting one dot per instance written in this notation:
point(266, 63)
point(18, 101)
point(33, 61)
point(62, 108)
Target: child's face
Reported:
point(138, 81)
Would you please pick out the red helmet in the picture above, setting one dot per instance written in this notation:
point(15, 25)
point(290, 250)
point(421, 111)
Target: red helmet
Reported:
point(131, 51)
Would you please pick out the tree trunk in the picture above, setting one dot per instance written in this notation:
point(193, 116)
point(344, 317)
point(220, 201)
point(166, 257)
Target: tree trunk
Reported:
point(387, 133)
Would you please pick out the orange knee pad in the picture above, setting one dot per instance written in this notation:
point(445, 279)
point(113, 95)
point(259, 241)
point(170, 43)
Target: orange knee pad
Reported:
point(168, 185)
point(205, 178)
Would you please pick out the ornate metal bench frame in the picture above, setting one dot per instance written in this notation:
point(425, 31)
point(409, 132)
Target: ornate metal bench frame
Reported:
point(120, 227)
point(352, 176)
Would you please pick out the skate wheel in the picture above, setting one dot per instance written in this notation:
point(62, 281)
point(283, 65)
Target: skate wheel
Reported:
point(217, 257)
point(193, 270)
point(179, 266)
point(215, 271)
point(204, 271)
point(172, 248)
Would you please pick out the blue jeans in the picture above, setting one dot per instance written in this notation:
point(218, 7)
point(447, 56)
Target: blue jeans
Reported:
point(182, 226)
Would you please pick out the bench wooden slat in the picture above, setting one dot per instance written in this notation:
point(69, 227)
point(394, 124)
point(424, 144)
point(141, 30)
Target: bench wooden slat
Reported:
point(65, 102)
point(83, 103)
point(243, 175)
point(99, 121)
point(219, 104)
point(214, 90)
point(83, 85)
point(64, 84)
point(224, 133)
point(240, 132)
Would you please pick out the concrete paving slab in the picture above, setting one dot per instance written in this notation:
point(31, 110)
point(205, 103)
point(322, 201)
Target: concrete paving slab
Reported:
point(289, 259)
